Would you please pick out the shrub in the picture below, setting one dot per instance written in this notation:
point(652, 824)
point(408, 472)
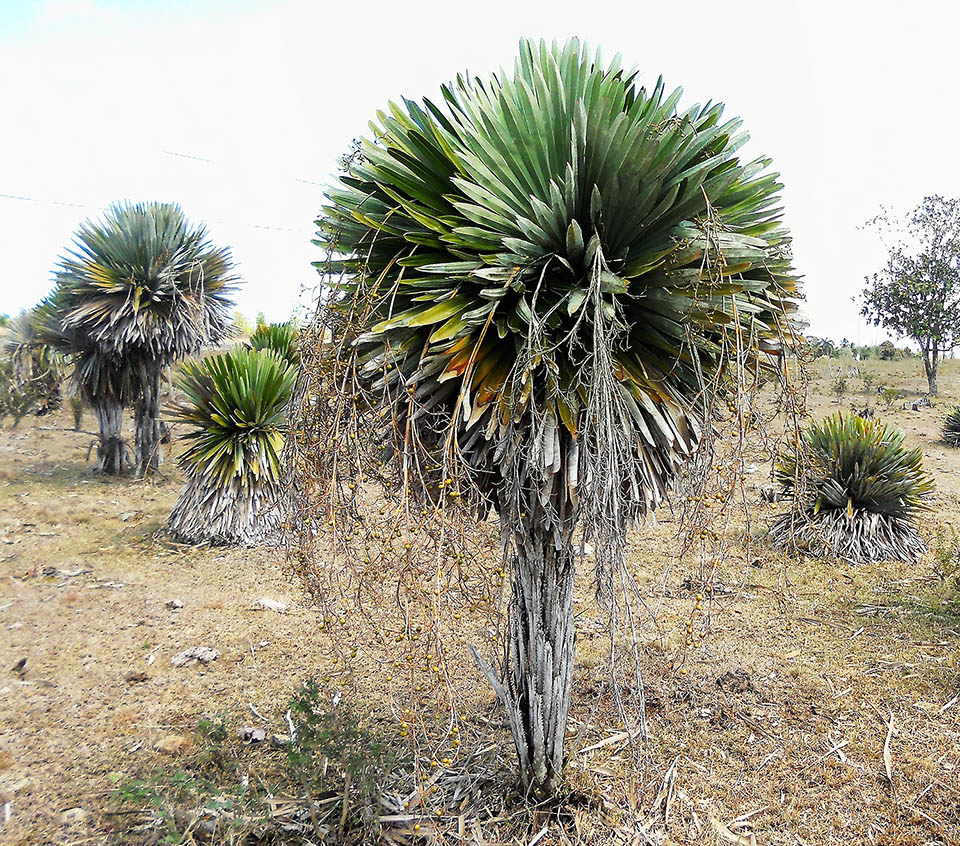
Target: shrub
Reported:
point(839, 386)
point(951, 427)
point(890, 396)
point(279, 337)
point(236, 406)
point(857, 492)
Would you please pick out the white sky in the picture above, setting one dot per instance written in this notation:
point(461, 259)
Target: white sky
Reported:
point(103, 100)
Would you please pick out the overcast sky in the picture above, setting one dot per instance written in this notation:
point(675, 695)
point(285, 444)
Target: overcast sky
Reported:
point(238, 110)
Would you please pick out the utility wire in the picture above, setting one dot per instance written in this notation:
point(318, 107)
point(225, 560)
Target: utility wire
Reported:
point(262, 226)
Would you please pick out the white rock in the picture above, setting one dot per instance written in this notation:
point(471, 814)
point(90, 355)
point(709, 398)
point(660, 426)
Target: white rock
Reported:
point(203, 654)
point(272, 604)
point(73, 815)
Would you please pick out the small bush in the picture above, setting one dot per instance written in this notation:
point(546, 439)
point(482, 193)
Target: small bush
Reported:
point(222, 790)
point(951, 427)
point(857, 492)
point(839, 386)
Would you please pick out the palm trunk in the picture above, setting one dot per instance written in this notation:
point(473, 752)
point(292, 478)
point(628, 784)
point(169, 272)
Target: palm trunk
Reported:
point(111, 451)
point(538, 681)
point(148, 454)
point(232, 515)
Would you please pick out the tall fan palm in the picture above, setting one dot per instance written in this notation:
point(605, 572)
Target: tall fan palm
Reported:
point(141, 289)
point(857, 491)
point(236, 407)
point(542, 275)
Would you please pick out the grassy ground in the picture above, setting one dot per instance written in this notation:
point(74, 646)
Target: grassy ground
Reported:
point(777, 725)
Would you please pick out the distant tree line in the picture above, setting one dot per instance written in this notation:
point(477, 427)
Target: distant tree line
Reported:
point(886, 351)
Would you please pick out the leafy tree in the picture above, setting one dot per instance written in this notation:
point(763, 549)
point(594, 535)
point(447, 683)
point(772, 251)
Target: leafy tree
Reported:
point(888, 352)
point(141, 289)
point(241, 325)
point(857, 491)
point(236, 406)
point(917, 294)
point(543, 278)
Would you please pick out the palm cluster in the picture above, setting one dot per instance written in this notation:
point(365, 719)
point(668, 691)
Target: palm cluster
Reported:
point(857, 491)
point(235, 407)
point(141, 289)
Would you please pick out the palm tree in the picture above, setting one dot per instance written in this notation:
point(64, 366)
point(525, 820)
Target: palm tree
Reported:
point(542, 278)
point(951, 427)
point(857, 492)
point(279, 337)
point(141, 289)
point(100, 378)
point(236, 406)
point(37, 368)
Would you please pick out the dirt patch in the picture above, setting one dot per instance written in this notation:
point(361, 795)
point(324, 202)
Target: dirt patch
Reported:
point(776, 727)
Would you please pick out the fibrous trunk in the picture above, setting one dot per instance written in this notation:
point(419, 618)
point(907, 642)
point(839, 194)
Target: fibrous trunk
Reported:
point(147, 450)
point(859, 537)
point(538, 677)
point(111, 450)
point(232, 515)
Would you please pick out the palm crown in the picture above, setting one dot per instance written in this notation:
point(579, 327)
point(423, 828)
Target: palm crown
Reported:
point(143, 281)
point(857, 489)
point(236, 408)
point(547, 235)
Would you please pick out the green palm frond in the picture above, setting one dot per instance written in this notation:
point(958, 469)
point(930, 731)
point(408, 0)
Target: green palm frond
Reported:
point(857, 486)
point(279, 337)
point(97, 373)
point(552, 256)
point(236, 407)
point(951, 427)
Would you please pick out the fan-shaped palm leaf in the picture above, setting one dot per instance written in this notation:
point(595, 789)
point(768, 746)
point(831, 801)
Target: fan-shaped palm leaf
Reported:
point(951, 427)
point(279, 337)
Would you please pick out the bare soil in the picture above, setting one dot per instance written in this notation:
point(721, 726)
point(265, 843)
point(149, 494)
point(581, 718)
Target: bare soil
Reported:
point(777, 721)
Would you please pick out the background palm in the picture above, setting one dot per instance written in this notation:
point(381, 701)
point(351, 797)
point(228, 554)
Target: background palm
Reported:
point(541, 277)
point(236, 409)
point(857, 491)
point(141, 289)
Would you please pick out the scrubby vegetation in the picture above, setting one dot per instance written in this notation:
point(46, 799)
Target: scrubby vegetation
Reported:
point(856, 491)
point(236, 410)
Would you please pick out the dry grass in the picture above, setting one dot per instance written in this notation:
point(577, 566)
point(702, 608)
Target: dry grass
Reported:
point(777, 720)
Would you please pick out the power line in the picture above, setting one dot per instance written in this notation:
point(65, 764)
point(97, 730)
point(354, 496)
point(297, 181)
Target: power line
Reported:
point(262, 226)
